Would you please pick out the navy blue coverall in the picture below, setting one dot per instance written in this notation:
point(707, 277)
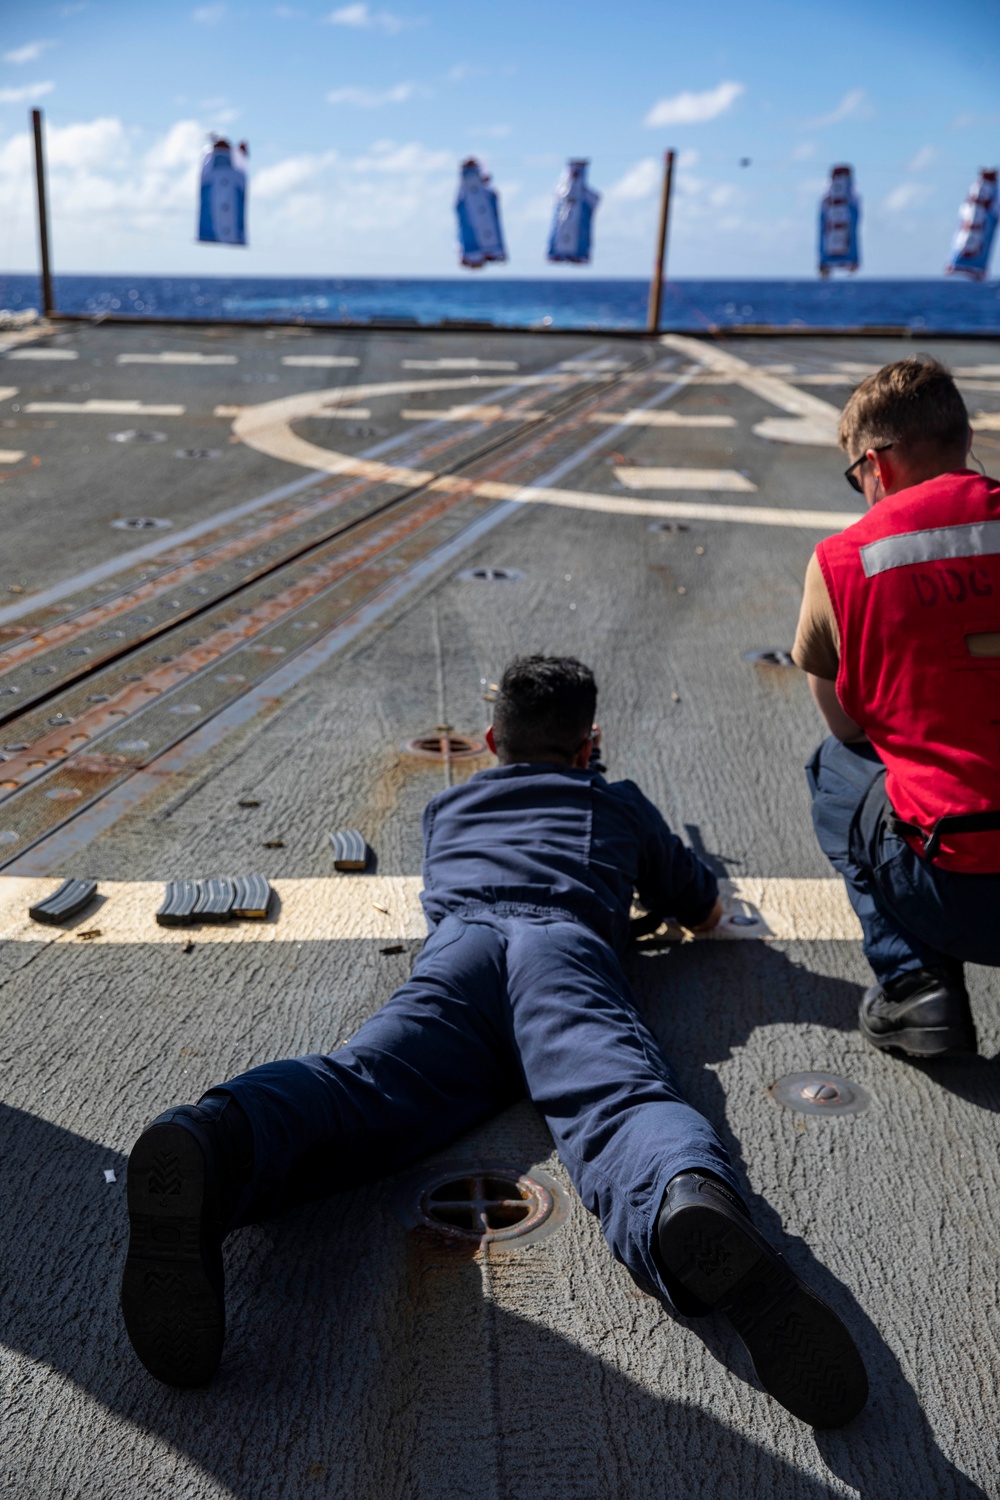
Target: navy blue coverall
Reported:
point(529, 873)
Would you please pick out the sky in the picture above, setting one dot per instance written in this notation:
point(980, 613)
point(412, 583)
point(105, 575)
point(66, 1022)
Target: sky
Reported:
point(357, 115)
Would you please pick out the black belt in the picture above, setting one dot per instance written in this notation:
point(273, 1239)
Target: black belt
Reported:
point(978, 822)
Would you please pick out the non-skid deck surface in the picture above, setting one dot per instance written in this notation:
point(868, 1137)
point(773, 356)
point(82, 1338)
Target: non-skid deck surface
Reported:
point(303, 616)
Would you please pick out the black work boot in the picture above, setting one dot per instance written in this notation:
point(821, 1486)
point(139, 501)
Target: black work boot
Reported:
point(925, 1013)
point(185, 1173)
point(802, 1353)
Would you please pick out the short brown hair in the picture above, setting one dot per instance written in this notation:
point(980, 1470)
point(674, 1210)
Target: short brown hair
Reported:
point(913, 403)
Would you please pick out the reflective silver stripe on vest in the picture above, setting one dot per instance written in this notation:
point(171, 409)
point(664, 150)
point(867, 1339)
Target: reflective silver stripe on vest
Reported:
point(981, 539)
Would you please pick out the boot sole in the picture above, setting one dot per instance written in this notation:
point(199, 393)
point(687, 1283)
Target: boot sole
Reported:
point(803, 1355)
point(924, 1041)
point(172, 1289)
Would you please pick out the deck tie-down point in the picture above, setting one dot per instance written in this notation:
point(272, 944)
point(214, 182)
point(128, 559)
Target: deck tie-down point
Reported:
point(444, 744)
point(769, 656)
point(491, 575)
point(819, 1094)
point(485, 1205)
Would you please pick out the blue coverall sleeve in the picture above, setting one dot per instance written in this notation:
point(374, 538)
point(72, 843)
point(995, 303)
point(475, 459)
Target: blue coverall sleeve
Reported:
point(673, 882)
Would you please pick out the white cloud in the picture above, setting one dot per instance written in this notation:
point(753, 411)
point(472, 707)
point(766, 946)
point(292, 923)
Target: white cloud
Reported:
point(694, 109)
point(804, 151)
point(29, 53)
point(494, 132)
point(907, 195)
point(854, 105)
point(363, 19)
point(365, 98)
point(413, 158)
point(100, 143)
point(288, 13)
point(640, 181)
point(924, 158)
point(182, 144)
point(25, 94)
point(285, 176)
point(209, 15)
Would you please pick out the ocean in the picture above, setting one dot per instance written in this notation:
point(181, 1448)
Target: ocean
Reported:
point(578, 302)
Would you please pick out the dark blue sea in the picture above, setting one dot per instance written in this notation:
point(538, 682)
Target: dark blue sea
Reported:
point(579, 302)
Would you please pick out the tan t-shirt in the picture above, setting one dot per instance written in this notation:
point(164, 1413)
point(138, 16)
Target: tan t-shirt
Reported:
point(817, 639)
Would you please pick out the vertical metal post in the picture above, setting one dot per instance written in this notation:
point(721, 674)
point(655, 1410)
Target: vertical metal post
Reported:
point(48, 300)
point(659, 264)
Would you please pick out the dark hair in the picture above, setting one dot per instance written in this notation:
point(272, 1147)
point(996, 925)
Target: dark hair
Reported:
point(913, 403)
point(545, 707)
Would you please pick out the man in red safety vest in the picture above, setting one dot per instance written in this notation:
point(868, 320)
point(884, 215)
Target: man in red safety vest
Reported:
point(899, 634)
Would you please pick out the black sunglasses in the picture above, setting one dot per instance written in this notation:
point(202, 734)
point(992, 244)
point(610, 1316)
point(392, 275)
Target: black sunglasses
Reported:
point(850, 475)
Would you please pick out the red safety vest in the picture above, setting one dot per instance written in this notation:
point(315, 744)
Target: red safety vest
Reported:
point(909, 583)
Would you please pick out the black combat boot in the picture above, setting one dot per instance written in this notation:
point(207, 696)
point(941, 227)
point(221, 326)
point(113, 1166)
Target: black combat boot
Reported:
point(924, 1013)
point(802, 1353)
point(185, 1174)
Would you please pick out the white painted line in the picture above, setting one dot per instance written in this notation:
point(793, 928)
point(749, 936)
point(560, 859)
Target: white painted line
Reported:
point(335, 413)
point(11, 455)
point(981, 387)
point(961, 370)
point(8, 391)
point(347, 908)
point(43, 354)
point(99, 408)
point(177, 357)
point(149, 550)
point(320, 361)
point(595, 366)
point(683, 479)
point(818, 417)
point(472, 414)
point(657, 419)
point(459, 364)
point(690, 510)
point(986, 421)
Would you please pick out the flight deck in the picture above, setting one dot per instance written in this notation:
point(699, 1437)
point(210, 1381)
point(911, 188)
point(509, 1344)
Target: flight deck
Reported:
point(257, 587)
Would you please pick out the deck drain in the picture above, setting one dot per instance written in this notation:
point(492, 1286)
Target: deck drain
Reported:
point(141, 523)
point(770, 656)
point(668, 526)
point(444, 745)
point(197, 453)
point(487, 1205)
point(131, 436)
point(819, 1094)
point(491, 575)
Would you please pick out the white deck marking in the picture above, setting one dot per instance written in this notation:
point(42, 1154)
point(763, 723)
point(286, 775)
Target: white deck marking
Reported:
point(177, 357)
point(43, 354)
point(8, 391)
point(657, 419)
point(690, 510)
point(472, 414)
point(974, 370)
point(343, 908)
point(459, 364)
point(268, 429)
point(320, 361)
point(149, 550)
point(11, 455)
point(986, 421)
point(816, 420)
point(683, 479)
point(99, 408)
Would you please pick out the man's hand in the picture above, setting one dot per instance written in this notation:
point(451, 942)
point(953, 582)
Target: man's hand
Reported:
point(712, 920)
